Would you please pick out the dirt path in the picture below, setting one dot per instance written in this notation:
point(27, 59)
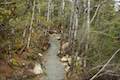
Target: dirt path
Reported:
point(54, 68)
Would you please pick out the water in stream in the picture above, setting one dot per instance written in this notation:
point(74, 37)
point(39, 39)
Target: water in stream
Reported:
point(54, 68)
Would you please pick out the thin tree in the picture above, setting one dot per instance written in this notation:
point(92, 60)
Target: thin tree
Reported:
point(87, 31)
point(31, 24)
point(105, 65)
point(49, 10)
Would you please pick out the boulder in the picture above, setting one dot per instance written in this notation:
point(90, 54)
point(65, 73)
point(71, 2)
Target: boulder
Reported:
point(37, 69)
point(69, 60)
point(64, 59)
point(65, 45)
point(65, 63)
point(67, 68)
point(58, 37)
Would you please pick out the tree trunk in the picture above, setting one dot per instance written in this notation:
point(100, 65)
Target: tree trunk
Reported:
point(49, 10)
point(87, 32)
point(31, 25)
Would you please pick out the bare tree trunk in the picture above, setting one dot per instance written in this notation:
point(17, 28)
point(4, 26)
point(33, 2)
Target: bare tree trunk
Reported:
point(88, 25)
point(49, 10)
point(24, 35)
point(38, 6)
point(62, 7)
point(82, 30)
point(87, 31)
point(71, 22)
point(70, 27)
point(76, 18)
point(31, 25)
point(73, 25)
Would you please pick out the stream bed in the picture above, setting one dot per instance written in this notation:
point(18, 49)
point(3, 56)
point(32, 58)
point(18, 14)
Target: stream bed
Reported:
point(54, 68)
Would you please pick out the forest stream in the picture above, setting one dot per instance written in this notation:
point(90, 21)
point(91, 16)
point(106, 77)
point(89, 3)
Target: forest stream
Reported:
point(54, 68)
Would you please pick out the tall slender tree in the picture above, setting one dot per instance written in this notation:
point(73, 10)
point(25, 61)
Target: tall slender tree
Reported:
point(31, 24)
point(49, 10)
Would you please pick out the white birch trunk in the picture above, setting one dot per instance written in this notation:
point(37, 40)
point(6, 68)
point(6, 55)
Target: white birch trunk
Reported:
point(76, 26)
point(71, 21)
point(87, 32)
point(31, 25)
point(62, 7)
point(49, 10)
point(38, 6)
point(88, 24)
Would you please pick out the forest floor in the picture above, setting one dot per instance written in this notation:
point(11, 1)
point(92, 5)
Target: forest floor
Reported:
point(32, 66)
point(23, 64)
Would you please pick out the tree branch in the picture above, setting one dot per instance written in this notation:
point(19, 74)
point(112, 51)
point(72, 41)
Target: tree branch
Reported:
point(105, 34)
point(95, 14)
point(105, 65)
point(6, 3)
point(97, 9)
